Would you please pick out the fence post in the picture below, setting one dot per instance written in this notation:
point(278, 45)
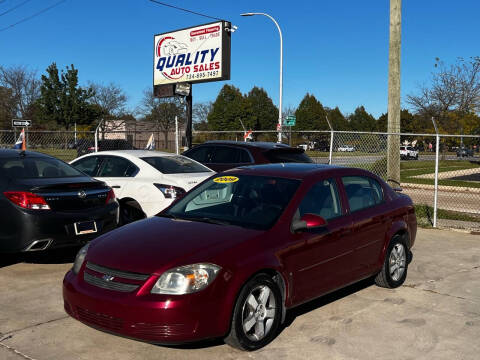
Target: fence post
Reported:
point(176, 135)
point(331, 141)
point(96, 135)
point(437, 152)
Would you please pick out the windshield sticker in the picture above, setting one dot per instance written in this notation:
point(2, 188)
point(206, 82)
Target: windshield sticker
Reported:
point(225, 179)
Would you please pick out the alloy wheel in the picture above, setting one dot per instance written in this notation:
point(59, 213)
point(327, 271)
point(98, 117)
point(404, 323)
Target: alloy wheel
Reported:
point(258, 313)
point(397, 261)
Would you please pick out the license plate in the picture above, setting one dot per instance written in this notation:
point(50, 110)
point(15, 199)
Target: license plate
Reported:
point(85, 227)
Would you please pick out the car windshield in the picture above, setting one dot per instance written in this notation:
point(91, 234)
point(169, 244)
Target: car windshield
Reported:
point(175, 164)
point(36, 167)
point(249, 201)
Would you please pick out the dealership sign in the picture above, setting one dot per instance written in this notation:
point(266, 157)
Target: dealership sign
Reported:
point(196, 54)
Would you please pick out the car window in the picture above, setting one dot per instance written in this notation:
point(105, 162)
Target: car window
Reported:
point(322, 199)
point(362, 192)
point(199, 154)
point(175, 164)
point(287, 156)
point(226, 155)
point(244, 156)
point(88, 165)
point(114, 166)
point(36, 167)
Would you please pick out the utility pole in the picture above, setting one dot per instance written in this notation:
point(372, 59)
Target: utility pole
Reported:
point(393, 145)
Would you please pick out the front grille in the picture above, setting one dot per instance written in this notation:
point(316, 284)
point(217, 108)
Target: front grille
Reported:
point(101, 320)
point(153, 331)
point(110, 285)
point(117, 273)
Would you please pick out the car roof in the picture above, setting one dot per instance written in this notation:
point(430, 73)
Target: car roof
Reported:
point(8, 153)
point(251, 144)
point(289, 170)
point(133, 153)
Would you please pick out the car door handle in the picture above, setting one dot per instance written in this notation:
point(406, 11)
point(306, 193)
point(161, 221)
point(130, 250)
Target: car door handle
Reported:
point(116, 186)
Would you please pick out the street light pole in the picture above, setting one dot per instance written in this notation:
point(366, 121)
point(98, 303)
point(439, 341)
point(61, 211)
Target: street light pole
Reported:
point(281, 73)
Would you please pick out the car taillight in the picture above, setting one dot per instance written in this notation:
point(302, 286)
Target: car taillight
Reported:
point(170, 191)
point(110, 197)
point(27, 200)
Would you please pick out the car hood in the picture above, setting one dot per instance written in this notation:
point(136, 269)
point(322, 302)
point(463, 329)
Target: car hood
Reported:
point(156, 244)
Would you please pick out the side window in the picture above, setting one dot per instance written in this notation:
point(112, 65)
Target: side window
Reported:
point(199, 154)
point(88, 165)
point(322, 199)
point(117, 167)
point(362, 192)
point(244, 156)
point(225, 155)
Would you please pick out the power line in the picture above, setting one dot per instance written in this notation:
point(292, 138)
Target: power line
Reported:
point(186, 10)
point(15, 7)
point(32, 16)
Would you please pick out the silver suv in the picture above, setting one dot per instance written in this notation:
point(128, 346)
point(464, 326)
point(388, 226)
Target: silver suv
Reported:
point(408, 152)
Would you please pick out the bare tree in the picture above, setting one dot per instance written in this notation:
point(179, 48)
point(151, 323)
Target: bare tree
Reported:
point(201, 111)
point(454, 88)
point(110, 98)
point(162, 112)
point(24, 86)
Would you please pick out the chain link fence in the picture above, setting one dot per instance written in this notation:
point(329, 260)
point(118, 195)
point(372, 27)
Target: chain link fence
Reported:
point(456, 187)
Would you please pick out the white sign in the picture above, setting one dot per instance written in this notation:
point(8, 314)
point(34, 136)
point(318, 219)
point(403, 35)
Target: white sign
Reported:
point(21, 123)
point(196, 54)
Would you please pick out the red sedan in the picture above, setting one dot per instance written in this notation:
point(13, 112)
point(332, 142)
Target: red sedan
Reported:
point(236, 252)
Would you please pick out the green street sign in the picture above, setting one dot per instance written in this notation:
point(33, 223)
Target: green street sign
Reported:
point(289, 120)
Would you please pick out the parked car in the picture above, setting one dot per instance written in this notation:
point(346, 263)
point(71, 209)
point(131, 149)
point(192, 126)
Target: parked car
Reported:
point(464, 152)
point(346, 148)
point(145, 182)
point(223, 155)
point(230, 257)
point(46, 203)
point(85, 146)
point(408, 152)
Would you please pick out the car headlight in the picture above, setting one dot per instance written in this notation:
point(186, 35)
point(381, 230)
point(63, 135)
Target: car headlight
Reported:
point(79, 259)
point(186, 279)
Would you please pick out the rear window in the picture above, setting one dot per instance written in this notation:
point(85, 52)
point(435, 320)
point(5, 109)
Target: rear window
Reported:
point(175, 165)
point(287, 156)
point(36, 167)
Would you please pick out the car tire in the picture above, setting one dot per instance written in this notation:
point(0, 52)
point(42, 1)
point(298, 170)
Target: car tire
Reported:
point(257, 314)
point(130, 211)
point(395, 265)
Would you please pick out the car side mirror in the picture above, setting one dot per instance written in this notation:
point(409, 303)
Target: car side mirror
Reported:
point(307, 222)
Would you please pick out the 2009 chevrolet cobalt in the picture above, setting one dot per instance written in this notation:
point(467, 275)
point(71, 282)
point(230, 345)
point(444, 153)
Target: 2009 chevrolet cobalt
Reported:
point(230, 257)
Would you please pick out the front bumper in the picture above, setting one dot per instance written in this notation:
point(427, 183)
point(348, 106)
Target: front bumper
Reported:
point(161, 319)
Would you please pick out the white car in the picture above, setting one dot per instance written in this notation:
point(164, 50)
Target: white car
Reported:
point(145, 182)
point(346, 148)
point(408, 152)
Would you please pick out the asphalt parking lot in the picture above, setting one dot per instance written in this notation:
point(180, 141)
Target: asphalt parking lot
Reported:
point(435, 315)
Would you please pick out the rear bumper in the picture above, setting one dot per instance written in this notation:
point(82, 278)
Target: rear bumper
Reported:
point(160, 319)
point(23, 227)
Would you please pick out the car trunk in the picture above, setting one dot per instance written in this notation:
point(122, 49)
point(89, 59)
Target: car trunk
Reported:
point(67, 194)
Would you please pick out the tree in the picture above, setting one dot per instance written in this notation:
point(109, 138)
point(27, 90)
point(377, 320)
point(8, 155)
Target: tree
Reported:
point(360, 120)
point(336, 118)
point(7, 107)
point(162, 112)
point(200, 115)
point(227, 110)
point(310, 115)
point(63, 101)
point(24, 87)
point(110, 98)
point(453, 89)
point(262, 114)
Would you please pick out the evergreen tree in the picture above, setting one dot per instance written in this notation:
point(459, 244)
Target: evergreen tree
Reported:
point(360, 120)
point(310, 115)
point(336, 118)
point(227, 110)
point(62, 101)
point(262, 114)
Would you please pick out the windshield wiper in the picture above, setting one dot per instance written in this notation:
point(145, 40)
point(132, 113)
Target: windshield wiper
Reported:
point(208, 220)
